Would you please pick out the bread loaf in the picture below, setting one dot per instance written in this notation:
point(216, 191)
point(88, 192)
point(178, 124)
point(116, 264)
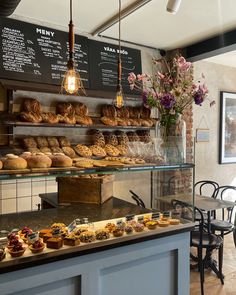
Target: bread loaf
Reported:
point(32, 105)
point(29, 142)
point(13, 162)
point(39, 161)
point(50, 118)
point(65, 108)
point(30, 117)
point(80, 109)
point(83, 120)
point(63, 141)
point(83, 150)
point(110, 121)
point(68, 151)
point(61, 161)
point(52, 141)
point(41, 141)
point(109, 111)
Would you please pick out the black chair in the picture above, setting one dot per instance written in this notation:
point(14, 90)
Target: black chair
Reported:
point(206, 184)
point(201, 239)
point(225, 225)
point(137, 199)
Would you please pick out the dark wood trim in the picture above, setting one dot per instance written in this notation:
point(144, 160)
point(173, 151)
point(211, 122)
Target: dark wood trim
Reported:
point(216, 45)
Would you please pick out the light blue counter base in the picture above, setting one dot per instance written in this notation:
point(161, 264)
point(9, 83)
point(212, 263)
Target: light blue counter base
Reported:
point(154, 267)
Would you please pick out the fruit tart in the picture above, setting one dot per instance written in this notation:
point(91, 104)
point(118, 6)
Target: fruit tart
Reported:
point(37, 247)
point(17, 250)
point(24, 232)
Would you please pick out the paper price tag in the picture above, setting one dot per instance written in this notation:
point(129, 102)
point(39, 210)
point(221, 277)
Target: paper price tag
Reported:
point(166, 214)
point(119, 222)
point(156, 216)
point(129, 217)
point(72, 226)
point(32, 237)
point(140, 219)
point(56, 232)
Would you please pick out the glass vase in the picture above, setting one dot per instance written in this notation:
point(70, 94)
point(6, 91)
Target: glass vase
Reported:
point(173, 140)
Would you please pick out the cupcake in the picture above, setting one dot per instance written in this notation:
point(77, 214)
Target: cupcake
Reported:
point(118, 231)
point(102, 234)
point(110, 227)
point(128, 229)
point(87, 237)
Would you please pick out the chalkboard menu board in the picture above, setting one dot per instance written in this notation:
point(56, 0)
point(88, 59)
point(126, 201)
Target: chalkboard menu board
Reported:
point(103, 65)
point(35, 53)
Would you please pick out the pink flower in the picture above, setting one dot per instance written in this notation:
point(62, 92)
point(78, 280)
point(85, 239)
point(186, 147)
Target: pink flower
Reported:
point(131, 77)
point(160, 75)
point(183, 64)
point(141, 77)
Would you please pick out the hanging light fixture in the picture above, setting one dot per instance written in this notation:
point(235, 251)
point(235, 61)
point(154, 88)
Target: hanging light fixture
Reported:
point(119, 98)
point(72, 83)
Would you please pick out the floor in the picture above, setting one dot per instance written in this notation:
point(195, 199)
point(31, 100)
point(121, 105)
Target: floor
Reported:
point(212, 284)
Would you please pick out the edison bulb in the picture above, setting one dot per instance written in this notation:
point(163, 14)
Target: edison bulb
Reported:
point(71, 83)
point(119, 100)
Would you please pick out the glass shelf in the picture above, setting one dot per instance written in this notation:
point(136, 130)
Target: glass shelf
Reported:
point(95, 170)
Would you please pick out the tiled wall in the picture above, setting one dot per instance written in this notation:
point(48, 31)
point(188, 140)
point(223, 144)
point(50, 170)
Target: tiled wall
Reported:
point(23, 194)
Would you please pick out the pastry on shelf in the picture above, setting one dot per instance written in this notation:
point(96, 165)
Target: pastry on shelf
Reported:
point(52, 141)
point(67, 119)
point(60, 160)
point(50, 118)
point(79, 230)
point(54, 242)
point(123, 122)
point(30, 117)
point(13, 162)
point(17, 250)
point(133, 136)
point(163, 223)
point(98, 138)
point(41, 141)
point(87, 237)
point(2, 253)
point(102, 234)
point(97, 151)
point(31, 105)
point(144, 135)
point(80, 108)
point(83, 150)
point(146, 123)
point(139, 161)
point(109, 111)
point(122, 137)
point(44, 232)
point(123, 149)
point(128, 229)
point(37, 247)
point(68, 151)
point(110, 138)
point(26, 155)
point(122, 112)
point(109, 121)
point(138, 227)
point(118, 231)
point(63, 141)
point(135, 122)
point(65, 108)
point(71, 240)
point(174, 221)
point(46, 237)
point(111, 150)
point(39, 161)
point(83, 120)
point(29, 142)
point(59, 225)
point(145, 113)
point(33, 150)
point(24, 232)
point(1, 164)
point(13, 239)
point(83, 164)
point(45, 150)
point(152, 224)
point(56, 150)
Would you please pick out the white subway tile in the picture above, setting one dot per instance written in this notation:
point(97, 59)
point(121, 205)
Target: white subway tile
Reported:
point(23, 189)
point(8, 206)
point(8, 191)
point(38, 187)
point(24, 204)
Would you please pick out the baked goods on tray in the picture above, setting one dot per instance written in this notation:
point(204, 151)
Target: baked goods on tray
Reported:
point(50, 118)
point(29, 142)
point(110, 138)
point(31, 105)
point(45, 150)
point(55, 242)
point(71, 240)
point(30, 117)
point(122, 137)
point(102, 234)
point(80, 109)
point(52, 141)
point(99, 138)
point(109, 111)
point(87, 237)
point(133, 136)
point(37, 247)
point(123, 149)
point(97, 151)
point(13, 162)
point(41, 141)
point(56, 150)
point(59, 160)
point(83, 150)
point(65, 108)
point(1, 165)
point(111, 150)
point(68, 151)
point(63, 141)
point(109, 121)
point(83, 120)
point(67, 119)
point(39, 161)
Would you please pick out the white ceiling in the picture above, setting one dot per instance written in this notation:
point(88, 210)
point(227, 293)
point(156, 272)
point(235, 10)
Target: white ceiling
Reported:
point(150, 25)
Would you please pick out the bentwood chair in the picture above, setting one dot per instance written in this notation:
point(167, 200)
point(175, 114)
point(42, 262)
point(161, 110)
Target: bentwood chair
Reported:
point(201, 239)
point(206, 185)
point(225, 225)
point(137, 199)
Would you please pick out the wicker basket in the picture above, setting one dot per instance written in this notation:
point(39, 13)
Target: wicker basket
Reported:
point(85, 190)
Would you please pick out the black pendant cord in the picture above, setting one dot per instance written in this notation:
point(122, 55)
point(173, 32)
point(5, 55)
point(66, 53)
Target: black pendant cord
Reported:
point(71, 38)
point(119, 72)
point(71, 10)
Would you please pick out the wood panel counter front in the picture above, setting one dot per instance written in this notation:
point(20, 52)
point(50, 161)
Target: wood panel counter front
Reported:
point(98, 267)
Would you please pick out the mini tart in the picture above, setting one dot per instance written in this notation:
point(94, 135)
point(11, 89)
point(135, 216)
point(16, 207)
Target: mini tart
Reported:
point(110, 227)
point(163, 223)
point(87, 237)
point(174, 221)
point(102, 234)
point(37, 250)
point(129, 229)
point(138, 227)
point(118, 232)
point(17, 253)
point(152, 224)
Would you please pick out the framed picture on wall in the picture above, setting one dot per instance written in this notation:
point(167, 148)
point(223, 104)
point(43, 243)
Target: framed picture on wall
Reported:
point(227, 146)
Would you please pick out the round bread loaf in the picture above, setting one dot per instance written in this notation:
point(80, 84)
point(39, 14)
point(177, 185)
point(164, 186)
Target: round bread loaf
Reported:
point(13, 162)
point(65, 108)
point(26, 155)
point(50, 118)
point(31, 117)
point(80, 109)
point(32, 105)
point(39, 161)
point(59, 160)
point(1, 165)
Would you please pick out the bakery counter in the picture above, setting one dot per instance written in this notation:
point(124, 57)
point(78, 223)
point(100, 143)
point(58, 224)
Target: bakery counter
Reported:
point(156, 260)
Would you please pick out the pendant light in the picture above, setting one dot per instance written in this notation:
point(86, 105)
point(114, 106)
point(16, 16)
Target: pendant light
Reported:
point(71, 83)
point(119, 98)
